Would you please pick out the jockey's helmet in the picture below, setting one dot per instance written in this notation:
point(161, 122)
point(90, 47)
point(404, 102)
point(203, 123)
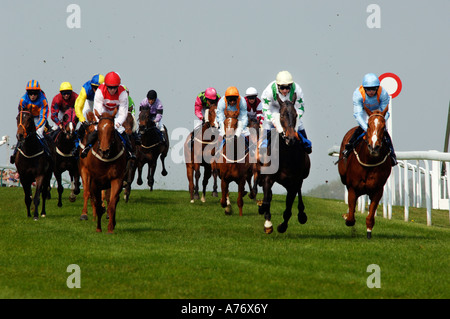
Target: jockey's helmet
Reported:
point(251, 91)
point(65, 86)
point(370, 80)
point(210, 93)
point(97, 79)
point(33, 85)
point(232, 91)
point(112, 79)
point(284, 78)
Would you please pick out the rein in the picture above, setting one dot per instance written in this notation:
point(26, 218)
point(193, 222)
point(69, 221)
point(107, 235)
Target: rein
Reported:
point(371, 165)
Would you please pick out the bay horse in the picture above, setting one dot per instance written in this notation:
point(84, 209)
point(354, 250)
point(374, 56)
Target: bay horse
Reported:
point(151, 148)
point(293, 167)
point(233, 163)
point(63, 158)
point(32, 163)
point(106, 164)
point(197, 142)
point(367, 169)
point(130, 126)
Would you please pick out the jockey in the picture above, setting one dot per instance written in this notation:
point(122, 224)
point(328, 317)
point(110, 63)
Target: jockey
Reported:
point(109, 96)
point(374, 97)
point(152, 103)
point(254, 105)
point(35, 102)
point(203, 101)
point(284, 87)
point(85, 100)
point(63, 101)
point(233, 102)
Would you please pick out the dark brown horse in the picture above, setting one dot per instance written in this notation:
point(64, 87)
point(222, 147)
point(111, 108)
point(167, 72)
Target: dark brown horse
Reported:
point(106, 164)
point(367, 169)
point(32, 163)
point(293, 167)
point(151, 148)
point(201, 142)
point(233, 163)
point(63, 157)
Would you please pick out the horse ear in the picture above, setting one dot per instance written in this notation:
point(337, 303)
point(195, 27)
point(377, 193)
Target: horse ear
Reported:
point(65, 118)
point(96, 114)
point(114, 112)
point(279, 101)
point(385, 110)
point(90, 116)
point(369, 112)
point(294, 97)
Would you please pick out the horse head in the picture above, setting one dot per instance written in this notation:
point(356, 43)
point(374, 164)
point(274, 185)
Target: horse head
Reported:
point(375, 131)
point(210, 115)
point(230, 124)
point(69, 123)
point(106, 132)
point(288, 120)
point(145, 122)
point(25, 125)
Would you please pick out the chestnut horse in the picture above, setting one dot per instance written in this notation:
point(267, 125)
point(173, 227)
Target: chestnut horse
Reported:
point(233, 163)
point(64, 159)
point(130, 126)
point(367, 169)
point(82, 166)
point(293, 167)
point(106, 164)
point(200, 141)
point(32, 163)
point(151, 148)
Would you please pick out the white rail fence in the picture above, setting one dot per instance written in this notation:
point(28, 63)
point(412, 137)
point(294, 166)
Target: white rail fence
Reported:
point(429, 187)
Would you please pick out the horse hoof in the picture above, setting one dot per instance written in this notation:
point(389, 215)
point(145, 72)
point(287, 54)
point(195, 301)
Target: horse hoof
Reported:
point(84, 217)
point(302, 218)
point(228, 210)
point(215, 194)
point(43, 215)
point(72, 199)
point(282, 228)
point(192, 201)
point(349, 223)
point(268, 227)
point(59, 204)
point(196, 196)
point(369, 234)
point(36, 219)
point(139, 181)
point(164, 173)
point(203, 199)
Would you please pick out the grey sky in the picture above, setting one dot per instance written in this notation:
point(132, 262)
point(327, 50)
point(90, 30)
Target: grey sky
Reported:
point(180, 47)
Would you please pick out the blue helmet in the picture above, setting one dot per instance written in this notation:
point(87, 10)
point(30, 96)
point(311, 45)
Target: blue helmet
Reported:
point(97, 79)
point(370, 80)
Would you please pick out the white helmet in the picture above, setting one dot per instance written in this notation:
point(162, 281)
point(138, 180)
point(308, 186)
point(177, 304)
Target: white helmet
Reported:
point(251, 91)
point(284, 78)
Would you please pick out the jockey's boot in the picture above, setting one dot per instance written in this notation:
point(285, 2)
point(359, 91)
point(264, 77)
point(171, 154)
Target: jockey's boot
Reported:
point(391, 147)
point(130, 152)
point(264, 146)
point(12, 159)
point(357, 134)
point(137, 138)
point(307, 145)
point(44, 144)
point(92, 138)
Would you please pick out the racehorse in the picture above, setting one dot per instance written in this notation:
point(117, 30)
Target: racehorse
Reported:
point(82, 166)
point(32, 163)
point(293, 167)
point(63, 158)
point(130, 126)
point(197, 142)
point(367, 169)
point(151, 148)
point(233, 166)
point(106, 164)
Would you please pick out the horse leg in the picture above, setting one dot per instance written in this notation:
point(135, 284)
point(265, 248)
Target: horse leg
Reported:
point(206, 176)
point(45, 190)
point(350, 216)
point(214, 174)
point(265, 206)
point(190, 177)
point(139, 169)
point(197, 177)
point(225, 202)
point(27, 190)
point(76, 180)
point(240, 200)
point(97, 209)
point(150, 176)
point(163, 172)
point(116, 187)
point(302, 218)
point(37, 197)
point(86, 181)
point(370, 219)
point(290, 197)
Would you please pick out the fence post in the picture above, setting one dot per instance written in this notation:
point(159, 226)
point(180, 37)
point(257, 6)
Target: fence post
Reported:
point(405, 170)
point(428, 191)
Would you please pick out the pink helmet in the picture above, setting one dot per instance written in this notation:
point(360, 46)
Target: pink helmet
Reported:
point(210, 93)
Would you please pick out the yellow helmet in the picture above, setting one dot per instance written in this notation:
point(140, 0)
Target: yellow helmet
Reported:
point(65, 86)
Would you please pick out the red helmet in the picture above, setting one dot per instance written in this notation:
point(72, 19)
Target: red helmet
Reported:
point(210, 93)
point(112, 79)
